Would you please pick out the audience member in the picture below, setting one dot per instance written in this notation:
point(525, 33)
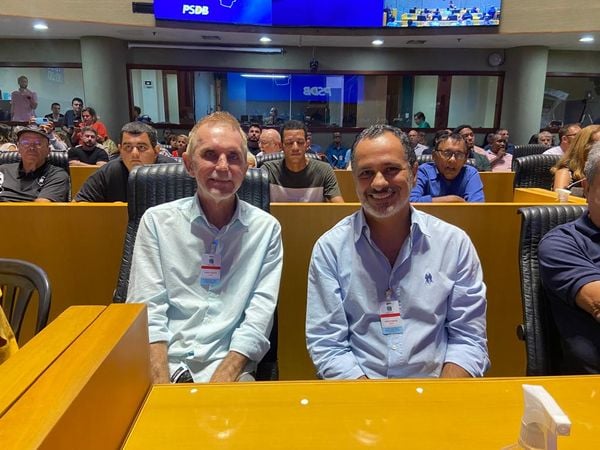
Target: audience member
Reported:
point(179, 144)
point(33, 179)
point(413, 139)
point(90, 119)
point(297, 178)
point(73, 116)
point(436, 137)
point(269, 142)
point(394, 292)
point(57, 119)
point(253, 138)
point(6, 138)
point(23, 102)
point(336, 152)
point(56, 143)
point(420, 120)
point(473, 151)
point(313, 147)
point(136, 112)
point(273, 118)
point(504, 135)
point(566, 135)
point(568, 171)
point(88, 153)
point(500, 159)
point(208, 267)
point(569, 257)
point(448, 178)
point(139, 145)
point(545, 138)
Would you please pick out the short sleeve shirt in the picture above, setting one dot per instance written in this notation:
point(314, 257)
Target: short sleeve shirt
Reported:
point(86, 156)
point(48, 181)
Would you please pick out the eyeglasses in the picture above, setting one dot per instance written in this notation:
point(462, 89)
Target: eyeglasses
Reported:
point(448, 154)
point(129, 148)
point(30, 144)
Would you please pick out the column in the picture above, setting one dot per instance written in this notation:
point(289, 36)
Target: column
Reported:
point(103, 62)
point(523, 94)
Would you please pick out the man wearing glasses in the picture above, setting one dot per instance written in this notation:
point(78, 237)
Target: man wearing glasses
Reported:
point(33, 179)
point(566, 134)
point(139, 145)
point(447, 178)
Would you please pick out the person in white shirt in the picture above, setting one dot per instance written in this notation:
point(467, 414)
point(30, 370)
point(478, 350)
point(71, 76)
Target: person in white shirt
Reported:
point(566, 134)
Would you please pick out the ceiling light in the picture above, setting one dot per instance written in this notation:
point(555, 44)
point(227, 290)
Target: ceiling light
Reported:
point(586, 39)
point(377, 42)
point(265, 39)
point(40, 26)
point(270, 76)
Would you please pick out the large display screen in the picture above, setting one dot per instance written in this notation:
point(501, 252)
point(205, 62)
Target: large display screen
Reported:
point(333, 13)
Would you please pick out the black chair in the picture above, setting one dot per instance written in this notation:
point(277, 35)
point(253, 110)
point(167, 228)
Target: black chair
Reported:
point(528, 149)
point(18, 281)
point(160, 183)
point(275, 156)
point(59, 159)
point(542, 342)
point(533, 171)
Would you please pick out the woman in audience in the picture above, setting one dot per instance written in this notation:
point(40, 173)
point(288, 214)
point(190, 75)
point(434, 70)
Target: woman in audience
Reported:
point(568, 171)
point(90, 119)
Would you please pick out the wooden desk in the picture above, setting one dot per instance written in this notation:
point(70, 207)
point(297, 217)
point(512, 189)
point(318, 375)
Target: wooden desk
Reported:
point(424, 414)
point(537, 195)
point(497, 186)
point(78, 176)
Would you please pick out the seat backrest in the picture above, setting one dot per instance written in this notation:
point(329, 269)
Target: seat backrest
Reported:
point(533, 171)
point(59, 159)
point(159, 183)
point(541, 337)
point(18, 282)
point(528, 149)
point(275, 156)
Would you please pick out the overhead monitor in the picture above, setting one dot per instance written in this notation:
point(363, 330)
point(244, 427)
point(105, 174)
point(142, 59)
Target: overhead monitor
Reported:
point(333, 13)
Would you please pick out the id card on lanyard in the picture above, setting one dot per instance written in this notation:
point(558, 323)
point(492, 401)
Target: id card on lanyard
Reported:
point(389, 315)
point(210, 267)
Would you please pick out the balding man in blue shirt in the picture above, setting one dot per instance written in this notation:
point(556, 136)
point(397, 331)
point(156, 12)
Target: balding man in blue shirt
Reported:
point(394, 292)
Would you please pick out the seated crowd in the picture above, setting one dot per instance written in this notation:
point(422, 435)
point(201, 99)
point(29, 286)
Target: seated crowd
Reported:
point(208, 267)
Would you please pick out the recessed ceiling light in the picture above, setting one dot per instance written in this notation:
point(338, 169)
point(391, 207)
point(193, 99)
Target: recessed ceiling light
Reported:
point(265, 39)
point(586, 39)
point(377, 42)
point(40, 26)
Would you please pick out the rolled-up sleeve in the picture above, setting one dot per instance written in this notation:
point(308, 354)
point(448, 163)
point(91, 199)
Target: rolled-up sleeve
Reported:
point(251, 338)
point(418, 193)
point(466, 315)
point(326, 323)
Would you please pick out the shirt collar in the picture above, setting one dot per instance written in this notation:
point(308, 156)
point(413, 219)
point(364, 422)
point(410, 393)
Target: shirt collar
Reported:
point(240, 213)
point(31, 175)
point(418, 225)
point(585, 226)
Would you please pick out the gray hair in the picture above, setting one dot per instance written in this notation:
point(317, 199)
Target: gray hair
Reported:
point(375, 131)
point(592, 165)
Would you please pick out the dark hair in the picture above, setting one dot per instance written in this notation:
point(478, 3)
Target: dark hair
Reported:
point(375, 131)
point(137, 128)
point(256, 125)
point(137, 109)
point(451, 137)
point(57, 104)
point(77, 99)
point(438, 135)
point(459, 128)
point(420, 116)
point(84, 129)
point(92, 112)
point(294, 125)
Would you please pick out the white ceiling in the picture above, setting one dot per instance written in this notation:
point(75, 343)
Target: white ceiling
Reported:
point(11, 27)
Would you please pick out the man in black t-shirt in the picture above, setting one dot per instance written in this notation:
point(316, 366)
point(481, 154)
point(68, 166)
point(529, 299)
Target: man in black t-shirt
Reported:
point(139, 146)
point(33, 179)
point(88, 153)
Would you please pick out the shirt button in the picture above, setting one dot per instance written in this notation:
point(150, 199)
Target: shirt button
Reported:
point(394, 347)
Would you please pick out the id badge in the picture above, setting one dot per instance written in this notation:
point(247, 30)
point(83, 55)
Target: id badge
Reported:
point(389, 316)
point(210, 270)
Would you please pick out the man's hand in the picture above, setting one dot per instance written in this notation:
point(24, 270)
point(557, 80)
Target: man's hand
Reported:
point(588, 299)
point(448, 199)
point(159, 366)
point(230, 368)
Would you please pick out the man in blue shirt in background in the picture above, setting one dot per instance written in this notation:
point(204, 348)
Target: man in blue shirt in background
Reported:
point(448, 178)
point(336, 152)
point(394, 292)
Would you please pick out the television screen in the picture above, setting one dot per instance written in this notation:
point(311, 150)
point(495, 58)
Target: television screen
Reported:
point(333, 13)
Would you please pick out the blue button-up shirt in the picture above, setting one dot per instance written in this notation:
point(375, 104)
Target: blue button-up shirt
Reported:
point(201, 324)
point(430, 183)
point(437, 280)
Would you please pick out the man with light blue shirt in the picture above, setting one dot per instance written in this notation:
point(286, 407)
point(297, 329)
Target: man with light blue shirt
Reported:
point(208, 267)
point(447, 178)
point(394, 292)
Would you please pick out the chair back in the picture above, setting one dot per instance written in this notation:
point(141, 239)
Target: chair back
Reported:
point(533, 171)
point(276, 156)
point(542, 341)
point(18, 282)
point(59, 159)
point(160, 183)
point(528, 149)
